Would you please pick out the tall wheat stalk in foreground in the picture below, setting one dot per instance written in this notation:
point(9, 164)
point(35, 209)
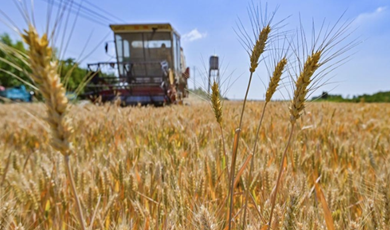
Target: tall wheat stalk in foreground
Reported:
point(257, 50)
point(307, 80)
point(273, 84)
point(217, 108)
point(297, 105)
point(44, 74)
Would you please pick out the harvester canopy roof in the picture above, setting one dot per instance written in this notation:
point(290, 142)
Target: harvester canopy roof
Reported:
point(126, 28)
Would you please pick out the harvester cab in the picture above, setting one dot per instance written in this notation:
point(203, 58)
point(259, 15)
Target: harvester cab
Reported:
point(149, 68)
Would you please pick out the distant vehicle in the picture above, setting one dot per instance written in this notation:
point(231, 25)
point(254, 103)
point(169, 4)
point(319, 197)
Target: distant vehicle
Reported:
point(149, 67)
point(18, 93)
point(71, 96)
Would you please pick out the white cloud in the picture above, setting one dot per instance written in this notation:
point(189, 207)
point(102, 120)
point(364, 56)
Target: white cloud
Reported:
point(193, 35)
point(380, 9)
point(369, 16)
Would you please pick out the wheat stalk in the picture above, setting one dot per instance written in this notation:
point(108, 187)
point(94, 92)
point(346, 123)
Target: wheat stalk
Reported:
point(297, 105)
point(257, 50)
point(44, 74)
point(273, 84)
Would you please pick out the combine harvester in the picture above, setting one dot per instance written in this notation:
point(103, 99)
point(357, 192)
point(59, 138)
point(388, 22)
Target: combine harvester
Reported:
point(149, 68)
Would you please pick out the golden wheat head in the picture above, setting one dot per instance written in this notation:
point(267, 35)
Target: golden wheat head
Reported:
point(274, 81)
point(259, 47)
point(216, 102)
point(302, 83)
point(44, 74)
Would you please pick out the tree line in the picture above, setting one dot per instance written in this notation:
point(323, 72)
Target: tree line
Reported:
point(376, 97)
point(75, 78)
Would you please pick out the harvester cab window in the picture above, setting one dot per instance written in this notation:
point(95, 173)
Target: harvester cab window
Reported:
point(177, 59)
point(175, 64)
point(119, 49)
point(130, 47)
point(126, 49)
point(146, 46)
point(127, 52)
point(158, 47)
point(177, 52)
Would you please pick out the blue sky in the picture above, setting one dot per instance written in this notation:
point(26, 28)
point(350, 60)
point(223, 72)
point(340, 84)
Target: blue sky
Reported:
point(207, 28)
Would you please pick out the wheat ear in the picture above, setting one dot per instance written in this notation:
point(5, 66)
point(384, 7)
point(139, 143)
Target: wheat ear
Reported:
point(216, 102)
point(44, 74)
point(259, 47)
point(297, 105)
point(275, 79)
point(303, 81)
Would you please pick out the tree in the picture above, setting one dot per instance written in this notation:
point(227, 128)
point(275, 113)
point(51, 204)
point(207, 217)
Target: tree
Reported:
point(70, 73)
point(7, 70)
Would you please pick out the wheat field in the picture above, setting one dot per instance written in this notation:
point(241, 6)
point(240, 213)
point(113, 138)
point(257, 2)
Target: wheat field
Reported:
point(214, 164)
point(165, 168)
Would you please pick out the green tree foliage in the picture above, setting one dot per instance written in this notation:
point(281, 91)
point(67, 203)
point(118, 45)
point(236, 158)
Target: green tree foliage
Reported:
point(71, 74)
point(376, 97)
point(6, 79)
